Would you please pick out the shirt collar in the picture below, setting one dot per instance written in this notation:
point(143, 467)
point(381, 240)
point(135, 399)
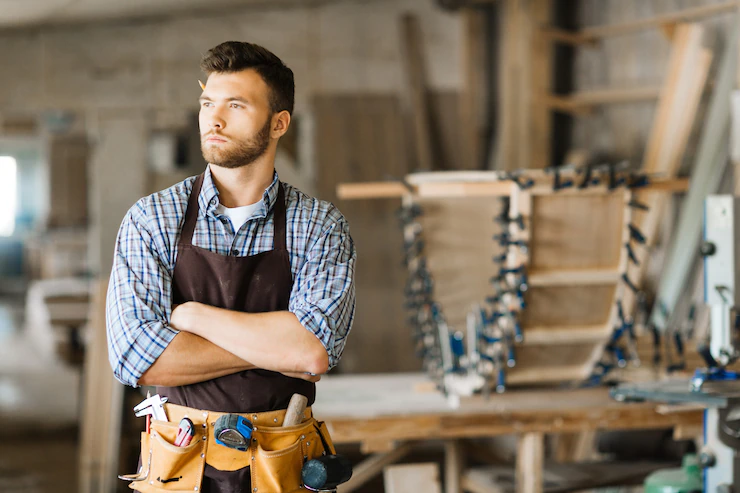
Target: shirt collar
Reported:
point(208, 199)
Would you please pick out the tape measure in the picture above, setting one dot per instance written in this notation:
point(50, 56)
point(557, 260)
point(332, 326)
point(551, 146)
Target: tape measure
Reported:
point(233, 431)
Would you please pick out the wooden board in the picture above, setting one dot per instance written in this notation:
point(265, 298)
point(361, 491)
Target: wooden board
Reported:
point(559, 306)
point(577, 232)
point(458, 237)
point(406, 478)
point(361, 137)
point(358, 408)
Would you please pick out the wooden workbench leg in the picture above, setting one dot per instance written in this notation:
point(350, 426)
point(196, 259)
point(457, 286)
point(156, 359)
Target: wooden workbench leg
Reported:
point(529, 463)
point(454, 464)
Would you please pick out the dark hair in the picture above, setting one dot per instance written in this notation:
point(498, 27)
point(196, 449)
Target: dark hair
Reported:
point(235, 56)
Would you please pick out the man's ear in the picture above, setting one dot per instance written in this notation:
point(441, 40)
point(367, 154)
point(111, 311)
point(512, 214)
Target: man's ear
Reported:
point(280, 124)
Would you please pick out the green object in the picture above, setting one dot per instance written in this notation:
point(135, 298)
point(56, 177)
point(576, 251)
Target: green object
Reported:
point(685, 480)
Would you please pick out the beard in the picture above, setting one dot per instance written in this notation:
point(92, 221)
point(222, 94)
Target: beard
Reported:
point(241, 152)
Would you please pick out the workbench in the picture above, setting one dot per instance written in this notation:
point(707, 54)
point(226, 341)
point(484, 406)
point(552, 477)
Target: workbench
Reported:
point(387, 413)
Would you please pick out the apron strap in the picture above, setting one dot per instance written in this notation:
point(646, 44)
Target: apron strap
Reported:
point(191, 214)
point(279, 218)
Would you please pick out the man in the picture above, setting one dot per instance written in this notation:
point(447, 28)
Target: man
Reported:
point(232, 291)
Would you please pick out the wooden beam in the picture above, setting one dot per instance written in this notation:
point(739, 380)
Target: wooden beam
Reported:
point(566, 335)
point(413, 62)
point(371, 467)
point(454, 465)
point(584, 101)
point(591, 34)
point(530, 461)
point(501, 188)
point(541, 56)
point(371, 190)
point(405, 478)
point(573, 277)
point(473, 96)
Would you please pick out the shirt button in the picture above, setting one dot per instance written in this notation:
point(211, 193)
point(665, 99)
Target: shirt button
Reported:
point(235, 252)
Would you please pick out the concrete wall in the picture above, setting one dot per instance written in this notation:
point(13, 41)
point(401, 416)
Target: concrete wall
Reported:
point(345, 46)
point(151, 69)
point(635, 60)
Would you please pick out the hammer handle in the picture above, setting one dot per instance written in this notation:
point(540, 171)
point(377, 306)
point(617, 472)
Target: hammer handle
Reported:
point(294, 413)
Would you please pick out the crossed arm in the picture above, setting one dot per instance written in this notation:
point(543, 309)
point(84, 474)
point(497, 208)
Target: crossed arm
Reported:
point(241, 343)
point(152, 344)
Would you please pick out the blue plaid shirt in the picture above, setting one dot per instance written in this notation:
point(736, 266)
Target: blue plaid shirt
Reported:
point(139, 304)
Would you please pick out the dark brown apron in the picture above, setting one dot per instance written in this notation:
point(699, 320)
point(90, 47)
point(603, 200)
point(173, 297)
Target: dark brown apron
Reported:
point(255, 284)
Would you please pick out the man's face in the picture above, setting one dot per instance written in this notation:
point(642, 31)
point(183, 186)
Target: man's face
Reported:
point(235, 118)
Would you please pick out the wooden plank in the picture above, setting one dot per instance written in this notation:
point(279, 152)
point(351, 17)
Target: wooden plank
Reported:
point(591, 34)
point(442, 189)
point(412, 478)
point(707, 173)
point(573, 232)
point(371, 467)
point(454, 465)
point(674, 118)
point(573, 277)
point(385, 407)
point(562, 306)
point(505, 154)
point(541, 57)
point(530, 460)
point(555, 335)
point(458, 237)
point(371, 190)
point(583, 101)
point(473, 95)
point(359, 137)
point(100, 428)
point(413, 62)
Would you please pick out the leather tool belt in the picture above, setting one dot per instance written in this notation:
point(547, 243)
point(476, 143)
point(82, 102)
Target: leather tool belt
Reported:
point(275, 456)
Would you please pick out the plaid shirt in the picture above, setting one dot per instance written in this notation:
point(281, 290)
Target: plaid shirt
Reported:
point(139, 304)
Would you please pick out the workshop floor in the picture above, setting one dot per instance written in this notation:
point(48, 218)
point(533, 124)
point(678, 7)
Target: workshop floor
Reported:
point(39, 403)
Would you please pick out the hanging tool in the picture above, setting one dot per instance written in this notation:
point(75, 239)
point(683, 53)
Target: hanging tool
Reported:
point(185, 433)
point(233, 431)
point(296, 408)
point(326, 473)
point(153, 406)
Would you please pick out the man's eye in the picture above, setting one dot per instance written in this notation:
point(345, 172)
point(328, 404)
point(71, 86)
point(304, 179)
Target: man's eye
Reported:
point(234, 105)
point(205, 103)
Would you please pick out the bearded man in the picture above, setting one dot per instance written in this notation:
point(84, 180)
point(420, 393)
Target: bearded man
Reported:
point(230, 291)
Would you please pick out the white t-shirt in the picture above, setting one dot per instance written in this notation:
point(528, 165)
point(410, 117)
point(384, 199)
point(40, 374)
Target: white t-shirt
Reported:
point(238, 215)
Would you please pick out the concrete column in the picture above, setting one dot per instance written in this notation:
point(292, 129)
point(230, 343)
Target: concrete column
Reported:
point(118, 176)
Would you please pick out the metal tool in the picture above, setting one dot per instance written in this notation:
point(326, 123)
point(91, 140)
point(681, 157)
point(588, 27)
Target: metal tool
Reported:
point(326, 473)
point(185, 433)
point(233, 431)
point(153, 406)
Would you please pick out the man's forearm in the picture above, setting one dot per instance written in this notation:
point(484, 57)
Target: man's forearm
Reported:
point(191, 359)
point(274, 341)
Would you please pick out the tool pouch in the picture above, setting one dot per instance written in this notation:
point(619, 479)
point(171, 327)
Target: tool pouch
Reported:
point(167, 467)
point(278, 454)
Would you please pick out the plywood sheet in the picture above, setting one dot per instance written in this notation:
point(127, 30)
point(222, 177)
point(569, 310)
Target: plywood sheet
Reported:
point(576, 232)
point(558, 306)
point(360, 137)
point(459, 246)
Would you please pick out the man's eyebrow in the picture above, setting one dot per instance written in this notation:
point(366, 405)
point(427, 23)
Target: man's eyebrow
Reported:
point(240, 99)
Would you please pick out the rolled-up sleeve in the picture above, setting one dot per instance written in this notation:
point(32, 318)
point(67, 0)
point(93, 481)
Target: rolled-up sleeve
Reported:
point(139, 301)
point(323, 295)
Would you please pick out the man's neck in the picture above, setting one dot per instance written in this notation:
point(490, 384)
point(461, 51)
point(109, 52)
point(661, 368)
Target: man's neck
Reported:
point(238, 187)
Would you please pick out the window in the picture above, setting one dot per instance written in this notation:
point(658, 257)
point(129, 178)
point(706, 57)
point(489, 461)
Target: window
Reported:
point(8, 186)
